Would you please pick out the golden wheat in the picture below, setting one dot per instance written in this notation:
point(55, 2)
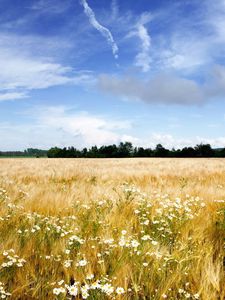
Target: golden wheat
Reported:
point(112, 228)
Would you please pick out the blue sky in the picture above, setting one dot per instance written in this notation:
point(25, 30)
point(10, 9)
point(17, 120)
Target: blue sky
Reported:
point(86, 72)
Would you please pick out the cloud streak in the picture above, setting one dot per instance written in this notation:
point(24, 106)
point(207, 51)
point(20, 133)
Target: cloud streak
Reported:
point(12, 96)
point(115, 9)
point(143, 59)
point(103, 30)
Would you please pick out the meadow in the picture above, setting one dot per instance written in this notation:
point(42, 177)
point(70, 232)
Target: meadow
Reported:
point(112, 229)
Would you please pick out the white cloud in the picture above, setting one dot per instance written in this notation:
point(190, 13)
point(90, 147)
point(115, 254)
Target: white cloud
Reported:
point(90, 129)
point(163, 88)
point(214, 17)
point(22, 70)
point(170, 141)
point(103, 30)
point(143, 59)
point(61, 126)
point(50, 6)
point(12, 96)
point(134, 140)
point(166, 88)
point(184, 43)
point(115, 9)
point(184, 52)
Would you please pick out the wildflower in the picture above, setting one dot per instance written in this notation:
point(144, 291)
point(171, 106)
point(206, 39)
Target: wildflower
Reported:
point(95, 285)
point(120, 291)
point(58, 291)
point(155, 222)
point(90, 276)
point(145, 264)
point(19, 264)
point(145, 237)
point(154, 243)
point(146, 222)
point(109, 241)
point(84, 291)
point(135, 243)
point(67, 263)
point(73, 290)
point(108, 288)
point(82, 263)
point(187, 295)
point(122, 242)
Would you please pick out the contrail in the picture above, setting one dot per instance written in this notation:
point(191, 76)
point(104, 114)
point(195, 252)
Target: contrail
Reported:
point(103, 30)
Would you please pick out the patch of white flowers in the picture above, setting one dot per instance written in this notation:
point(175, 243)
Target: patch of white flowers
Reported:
point(12, 260)
point(3, 293)
point(157, 220)
point(85, 290)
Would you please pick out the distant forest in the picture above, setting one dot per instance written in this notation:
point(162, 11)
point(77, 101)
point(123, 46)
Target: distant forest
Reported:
point(122, 150)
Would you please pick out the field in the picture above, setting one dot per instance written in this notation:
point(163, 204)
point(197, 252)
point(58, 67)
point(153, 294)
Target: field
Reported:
point(112, 229)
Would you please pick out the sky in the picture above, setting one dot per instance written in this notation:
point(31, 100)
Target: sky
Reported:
point(93, 72)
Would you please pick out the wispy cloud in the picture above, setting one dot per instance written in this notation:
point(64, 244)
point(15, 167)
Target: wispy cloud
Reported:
point(23, 71)
point(50, 6)
point(143, 59)
point(103, 30)
point(26, 74)
point(188, 44)
point(115, 9)
point(12, 96)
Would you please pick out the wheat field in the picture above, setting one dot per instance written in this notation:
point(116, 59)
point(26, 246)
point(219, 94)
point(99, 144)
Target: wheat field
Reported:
point(112, 229)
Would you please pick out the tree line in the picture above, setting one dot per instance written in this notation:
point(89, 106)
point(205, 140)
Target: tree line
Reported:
point(30, 152)
point(125, 149)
